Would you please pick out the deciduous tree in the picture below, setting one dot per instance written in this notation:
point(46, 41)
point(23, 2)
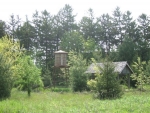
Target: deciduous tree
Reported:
point(29, 74)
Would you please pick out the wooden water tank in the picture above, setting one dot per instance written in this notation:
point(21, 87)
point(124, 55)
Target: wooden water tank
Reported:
point(60, 58)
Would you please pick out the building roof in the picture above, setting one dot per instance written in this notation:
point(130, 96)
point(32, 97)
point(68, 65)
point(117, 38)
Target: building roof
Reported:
point(60, 51)
point(119, 67)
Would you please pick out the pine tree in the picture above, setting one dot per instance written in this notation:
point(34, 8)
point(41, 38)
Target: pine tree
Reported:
point(117, 23)
point(144, 34)
point(107, 34)
point(13, 25)
point(126, 51)
point(26, 34)
point(106, 83)
point(87, 26)
point(2, 28)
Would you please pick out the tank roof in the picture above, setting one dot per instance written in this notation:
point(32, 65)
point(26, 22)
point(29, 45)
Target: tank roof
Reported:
point(60, 51)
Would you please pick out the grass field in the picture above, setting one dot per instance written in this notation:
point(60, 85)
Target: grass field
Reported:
point(55, 102)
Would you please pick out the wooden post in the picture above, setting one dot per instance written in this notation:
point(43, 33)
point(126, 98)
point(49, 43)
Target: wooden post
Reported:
point(129, 81)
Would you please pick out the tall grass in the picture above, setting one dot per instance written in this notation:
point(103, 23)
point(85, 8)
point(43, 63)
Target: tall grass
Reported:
point(55, 102)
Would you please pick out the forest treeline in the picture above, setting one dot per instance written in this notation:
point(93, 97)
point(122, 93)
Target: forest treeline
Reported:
point(117, 35)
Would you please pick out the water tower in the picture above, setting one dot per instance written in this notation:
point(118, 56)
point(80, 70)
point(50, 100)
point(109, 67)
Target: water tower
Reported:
point(60, 58)
point(60, 62)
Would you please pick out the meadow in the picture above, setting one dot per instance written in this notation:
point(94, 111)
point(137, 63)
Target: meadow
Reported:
point(68, 102)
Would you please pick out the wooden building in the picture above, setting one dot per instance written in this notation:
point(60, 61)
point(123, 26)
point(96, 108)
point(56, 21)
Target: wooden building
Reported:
point(122, 68)
point(60, 76)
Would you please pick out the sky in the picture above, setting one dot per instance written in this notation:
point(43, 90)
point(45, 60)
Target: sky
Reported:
point(80, 7)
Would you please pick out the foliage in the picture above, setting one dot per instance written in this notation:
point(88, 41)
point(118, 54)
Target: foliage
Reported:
point(46, 78)
point(12, 25)
point(107, 84)
point(44, 41)
point(66, 20)
point(144, 34)
point(92, 84)
point(60, 89)
point(2, 28)
point(147, 71)
point(9, 52)
point(25, 34)
point(78, 67)
point(126, 51)
point(118, 21)
point(144, 26)
point(89, 49)
point(139, 74)
point(143, 50)
point(29, 74)
point(10, 49)
point(72, 42)
point(87, 26)
point(5, 78)
point(89, 45)
point(113, 56)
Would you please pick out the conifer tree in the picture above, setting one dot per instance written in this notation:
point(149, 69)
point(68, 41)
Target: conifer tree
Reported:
point(106, 83)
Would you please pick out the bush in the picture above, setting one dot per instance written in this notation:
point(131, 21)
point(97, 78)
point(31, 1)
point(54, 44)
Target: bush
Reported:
point(46, 78)
point(92, 84)
point(10, 51)
point(78, 78)
point(5, 78)
point(139, 76)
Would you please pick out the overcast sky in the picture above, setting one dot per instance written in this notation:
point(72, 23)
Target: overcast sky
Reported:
point(28, 7)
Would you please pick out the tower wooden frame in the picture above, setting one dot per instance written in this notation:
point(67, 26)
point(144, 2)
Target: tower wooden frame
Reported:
point(60, 62)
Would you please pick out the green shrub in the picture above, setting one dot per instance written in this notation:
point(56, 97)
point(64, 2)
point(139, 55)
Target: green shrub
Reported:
point(10, 51)
point(139, 74)
point(46, 78)
point(60, 89)
point(5, 78)
point(92, 84)
point(78, 78)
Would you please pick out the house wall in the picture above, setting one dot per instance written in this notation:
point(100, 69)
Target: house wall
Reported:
point(126, 71)
point(125, 75)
